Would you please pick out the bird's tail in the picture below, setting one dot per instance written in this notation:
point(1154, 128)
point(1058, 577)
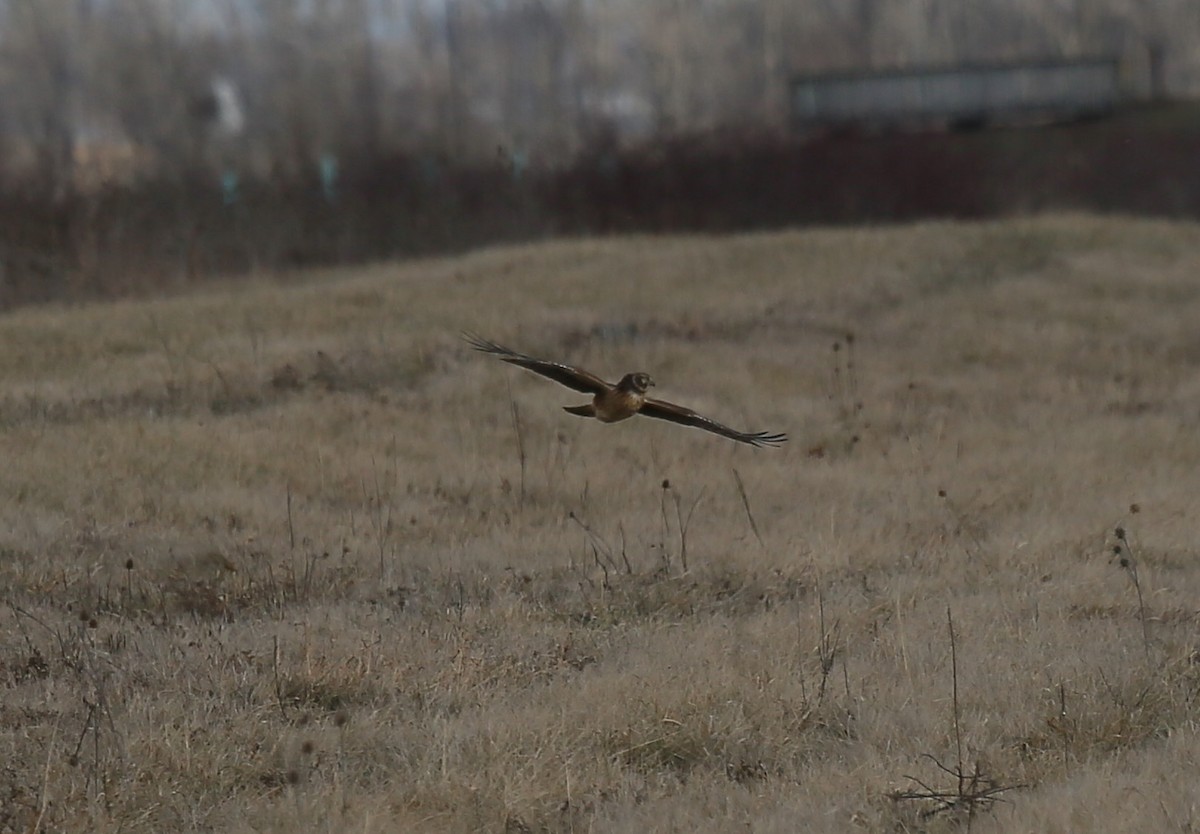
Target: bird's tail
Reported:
point(588, 410)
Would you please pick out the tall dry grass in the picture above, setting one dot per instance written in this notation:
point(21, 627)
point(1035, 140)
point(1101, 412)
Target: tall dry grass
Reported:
point(279, 557)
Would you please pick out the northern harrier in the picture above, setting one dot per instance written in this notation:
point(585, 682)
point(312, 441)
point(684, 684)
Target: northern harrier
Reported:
point(611, 403)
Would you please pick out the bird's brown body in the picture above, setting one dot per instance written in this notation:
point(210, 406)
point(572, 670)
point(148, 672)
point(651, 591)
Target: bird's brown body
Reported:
point(613, 403)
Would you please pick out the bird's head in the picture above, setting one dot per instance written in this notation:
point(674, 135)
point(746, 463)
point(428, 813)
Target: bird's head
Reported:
point(638, 383)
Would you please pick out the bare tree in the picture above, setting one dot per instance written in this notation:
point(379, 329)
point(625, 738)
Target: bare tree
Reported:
point(544, 77)
point(41, 54)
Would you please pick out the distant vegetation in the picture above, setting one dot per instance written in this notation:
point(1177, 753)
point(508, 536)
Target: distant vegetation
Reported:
point(270, 86)
point(151, 143)
point(145, 237)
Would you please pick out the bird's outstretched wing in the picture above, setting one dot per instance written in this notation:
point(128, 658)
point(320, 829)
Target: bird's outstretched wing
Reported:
point(686, 417)
point(574, 378)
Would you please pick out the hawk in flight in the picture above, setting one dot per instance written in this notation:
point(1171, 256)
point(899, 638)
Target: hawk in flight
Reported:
point(611, 403)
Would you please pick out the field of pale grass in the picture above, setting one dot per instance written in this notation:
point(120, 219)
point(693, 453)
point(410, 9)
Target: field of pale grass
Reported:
point(288, 556)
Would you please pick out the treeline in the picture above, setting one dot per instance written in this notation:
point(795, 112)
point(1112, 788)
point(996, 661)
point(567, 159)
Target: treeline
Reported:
point(143, 238)
point(146, 143)
point(101, 89)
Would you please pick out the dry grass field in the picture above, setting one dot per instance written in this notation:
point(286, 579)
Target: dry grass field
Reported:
point(289, 556)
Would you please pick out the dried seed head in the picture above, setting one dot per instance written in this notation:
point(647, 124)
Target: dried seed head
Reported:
point(307, 747)
point(666, 484)
point(340, 718)
point(941, 493)
point(1134, 509)
point(1124, 562)
point(1117, 549)
point(837, 346)
point(1120, 533)
point(129, 564)
point(293, 777)
point(849, 338)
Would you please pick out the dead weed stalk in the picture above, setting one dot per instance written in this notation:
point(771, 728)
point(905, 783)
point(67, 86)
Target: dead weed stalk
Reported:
point(741, 487)
point(1127, 559)
point(973, 790)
